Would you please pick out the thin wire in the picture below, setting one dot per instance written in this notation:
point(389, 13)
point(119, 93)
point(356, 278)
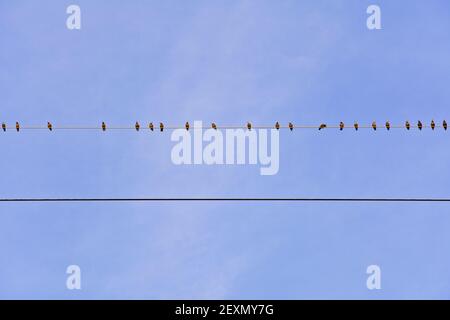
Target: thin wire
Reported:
point(224, 199)
point(9, 128)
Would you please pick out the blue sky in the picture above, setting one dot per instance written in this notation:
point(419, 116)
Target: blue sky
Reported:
point(230, 62)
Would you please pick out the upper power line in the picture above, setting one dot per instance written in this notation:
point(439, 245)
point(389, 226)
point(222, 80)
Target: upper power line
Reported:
point(249, 126)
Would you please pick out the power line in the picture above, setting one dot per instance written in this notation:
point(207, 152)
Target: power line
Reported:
point(225, 199)
point(249, 126)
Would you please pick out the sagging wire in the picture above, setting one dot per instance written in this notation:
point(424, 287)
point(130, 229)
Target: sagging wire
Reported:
point(249, 126)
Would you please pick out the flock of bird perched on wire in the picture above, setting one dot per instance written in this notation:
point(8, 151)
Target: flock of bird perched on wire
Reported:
point(249, 126)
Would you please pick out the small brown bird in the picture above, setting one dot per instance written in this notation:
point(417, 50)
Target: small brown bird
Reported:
point(341, 126)
point(322, 126)
point(214, 126)
point(407, 125)
point(433, 125)
point(49, 126)
point(4, 126)
point(17, 126)
point(103, 126)
point(291, 126)
point(419, 125)
point(388, 125)
point(356, 125)
point(151, 126)
point(277, 126)
point(249, 126)
point(374, 125)
point(137, 126)
point(444, 124)
point(161, 126)
point(187, 126)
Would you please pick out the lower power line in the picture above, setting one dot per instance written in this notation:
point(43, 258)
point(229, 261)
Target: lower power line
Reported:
point(225, 199)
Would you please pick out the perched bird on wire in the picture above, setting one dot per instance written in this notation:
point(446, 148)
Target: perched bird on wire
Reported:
point(419, 125)
point(322, 126)
point(214, 126)
point(291, 126)
point(277, 126)
point(137, 126)
point(49, 126)
point(17, 126)
point(444, 124)
point(151, 126)
point(341, 126)
point(249, 126)
point(161, 126)
point(356, 125)
point(407, 125)
point(103, 126)
point(4, 126)
point(187, 126)
point(374, 125)
point(388, 125)
point(433, 125)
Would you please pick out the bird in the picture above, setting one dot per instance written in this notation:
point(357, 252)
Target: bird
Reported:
point(374, 125)
point(249, 126)
point(388, 125)
point(407, 125)
point(187, 126)
point(4, 126)
point(137, 126)
point(49, 126)
point(356, 126)
point(322, 126)
point(419, 125)
point(103, 126)
point(17, 126)
point(150, 126)
point(341, 126)
point(444, 124)
point(214, 126)
point(433, 124)
point(161, 126)
point(291, 126)
point(277, 126)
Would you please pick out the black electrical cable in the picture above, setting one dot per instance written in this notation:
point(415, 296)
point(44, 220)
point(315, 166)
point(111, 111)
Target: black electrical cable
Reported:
point(224, 199)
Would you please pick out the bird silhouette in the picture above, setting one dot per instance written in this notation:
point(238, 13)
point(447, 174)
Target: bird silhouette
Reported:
point(388, 125)
point(249, 126)
point(433, 124)
point(161, 126)
point(214, 126)
point(49, 126)
point(356, 125)
point(419, 125)
point(407, 125)
point(291, 126)
point(322, 126)
point(277, 126)
point(17, 126)
point(4, 126)
point(374, 125)
point(103, 126)
point(151, 126)
point(137, 126)
point(444, 124)
point(341, 126)
point(187, 126)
